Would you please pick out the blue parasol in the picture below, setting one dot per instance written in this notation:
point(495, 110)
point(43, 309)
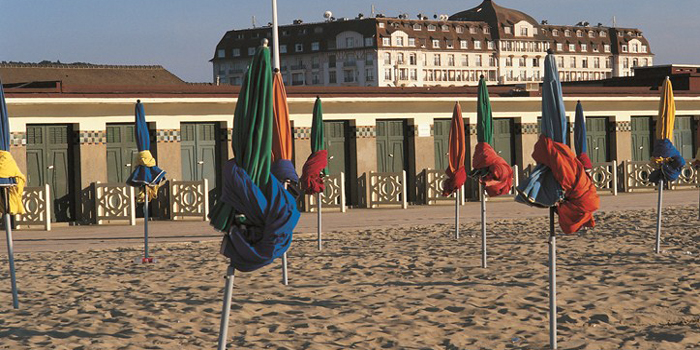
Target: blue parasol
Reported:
point(580, 138)
point(147, 173)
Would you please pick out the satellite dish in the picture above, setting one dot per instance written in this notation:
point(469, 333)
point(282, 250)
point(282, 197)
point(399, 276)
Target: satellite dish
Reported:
point(327, 15)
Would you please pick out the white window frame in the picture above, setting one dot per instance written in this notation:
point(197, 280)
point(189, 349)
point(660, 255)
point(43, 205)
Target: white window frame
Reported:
point(436, 44)
point(315, 46)
point(298, 47)
point(236, 52)
point(463, 44)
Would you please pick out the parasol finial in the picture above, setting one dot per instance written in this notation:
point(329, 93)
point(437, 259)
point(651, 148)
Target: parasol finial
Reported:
point(549, 51)
point(138, 101)
point(481, 76)
point(264, 42)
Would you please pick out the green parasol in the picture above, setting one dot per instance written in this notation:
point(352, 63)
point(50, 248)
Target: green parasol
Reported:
point(317, 130)
point(484, 117)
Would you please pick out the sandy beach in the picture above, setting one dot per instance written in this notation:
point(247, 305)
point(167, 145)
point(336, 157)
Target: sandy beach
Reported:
point(405, 287)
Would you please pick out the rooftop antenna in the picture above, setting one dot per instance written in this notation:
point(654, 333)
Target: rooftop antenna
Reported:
point(614, 22)
point(373, 12)
point(275, 37)
point(254, 22)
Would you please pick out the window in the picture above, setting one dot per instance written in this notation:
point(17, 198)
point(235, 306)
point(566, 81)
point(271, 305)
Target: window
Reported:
point(472, 30)
point(387, 58)
point(509, 61)
point(349, 76)
point(492, 61)
point(579, 34)
point(624, 48)
point(595, 47)
point(450, 44)
point(283, 48)
point(635, 62)
point(251, 51)
point(386, 41)
point(644, 48)
point(315, 62)
point(331, 61)
point(302, 32)
point(603, 34)
point(646, 62)
point(399, 58)
point(487, 30)
point(369, 42)
point(460, 29)
point(451, 60)
point(417, 26)
point(477, 45)
point(237, 52)
point(560, 47)
point(412, 60)
point(331, 77)
point(635, 47)
point(477, 60)
point(596, 62)
point(350, 60)
point(560, 62)
point(584, 62)
point(567, 33)
point(399, 41)
point(606, 47)
point(465, 60)
point(591, 34)
point(436, 44)
point(412, 42)
point(315, 80)
point(369, 75)
point(315, 46)
point(436, 60)
point(584, 47)
point(489, 45)
point(387, 74)
point(221, 53)
point(318, 30)
point(431, 27)
point(413, 74)
point(349, 42)
point(507, 30)
point(535, 62)
point(463, 44)
point(369, 60)
point(555, 32)
point(523, 75)
point(522, 62)
point(608, 62)
point(572, 47)
point(299, 47)
point(572, 62)
point(445, 28)
point(626, 63)
point(381, 24)
point(523, 31)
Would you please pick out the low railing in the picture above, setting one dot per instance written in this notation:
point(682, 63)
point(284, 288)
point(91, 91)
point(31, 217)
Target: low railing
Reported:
point(432, 182)
point(604, 176)
point(114, 202)
point(636, 176)
point(37, 208)
point(189, 199)
point(332, 198)
point(387, 189)
point(689, 177)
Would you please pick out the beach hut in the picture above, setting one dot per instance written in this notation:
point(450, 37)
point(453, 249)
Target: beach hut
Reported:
point(255, 211)
point(667, 159)
point(456, 154)
point(559, 181)
point(12, 182)
point(491, 171)
point(315, 166)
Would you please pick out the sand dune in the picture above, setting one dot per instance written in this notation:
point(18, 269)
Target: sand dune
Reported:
point(409, 287)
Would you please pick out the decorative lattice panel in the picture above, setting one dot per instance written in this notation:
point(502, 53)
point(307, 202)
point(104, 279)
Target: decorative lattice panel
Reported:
point(433, 184)
point(114, 202)
point(387, 189)
point(604, 176)
point(37, 208)
point(333, 197)
point(636, 175)
point(189, 199)
point(689, 177)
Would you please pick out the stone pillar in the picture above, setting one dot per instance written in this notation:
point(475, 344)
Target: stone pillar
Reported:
point(168, 153)
point(421, 155)
point(470, 187)
point(302, 147)
point(363, 161)
point(620, 141)
point(18, 150)
point(526, 135)
point(91, 164)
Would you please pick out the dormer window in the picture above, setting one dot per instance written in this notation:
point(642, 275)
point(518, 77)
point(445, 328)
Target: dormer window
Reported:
point(572, 47)
point(567, 33)
point(477, 45)
point(417, 27)
point(584, 47)
point(487, 30)
point(463, 44)
point(560, 47)
point(399, 41)
point(607, 48)
point(507, 30)
point(555, 32)
point(381, 24)
point(591, 34)
point(411, 42)
point(445, 28)
point(579, 33)
point(386, 42)
point(624, 48)
point(450, 44)
point(644, 48)
point(472, 30)
point(603, 34)
point(436, 44)
point(431, 27)
point(523, 31)
point(460, 30)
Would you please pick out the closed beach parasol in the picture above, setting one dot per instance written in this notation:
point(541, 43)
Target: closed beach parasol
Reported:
point(254, 211)
point(315, 166)
point(558, 181)
point(12, 182)
point(580, 140)
point(665, 155)
point(456, 154)
point(494, 175)
point(147, 175)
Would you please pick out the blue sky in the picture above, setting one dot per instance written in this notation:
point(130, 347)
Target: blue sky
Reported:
point(182, 34)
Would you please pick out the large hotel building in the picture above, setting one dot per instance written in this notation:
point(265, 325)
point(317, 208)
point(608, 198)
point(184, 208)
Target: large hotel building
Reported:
point(505, 45)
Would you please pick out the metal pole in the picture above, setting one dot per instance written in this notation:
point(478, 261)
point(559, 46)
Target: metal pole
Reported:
point(319, 220)
point(483, 224)
point(658, 217)
point(552, 282)
point(275, 38)
point(10, 248)
point(457, 214)
point(285, 274)
point(223, 328)
point(145, 223)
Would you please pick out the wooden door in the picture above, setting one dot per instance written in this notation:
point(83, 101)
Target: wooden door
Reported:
point(49, 161)
point(441, 137)
point(683, 136)
point(122, 152)
point(642, 136)
point(504, 139)
point(391, 145)
point(200, 156)
point(597, 136)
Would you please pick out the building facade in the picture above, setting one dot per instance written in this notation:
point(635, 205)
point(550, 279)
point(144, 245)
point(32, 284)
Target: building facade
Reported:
point(504, 45)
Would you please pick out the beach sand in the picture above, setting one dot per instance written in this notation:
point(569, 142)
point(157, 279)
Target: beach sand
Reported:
point(413, 287)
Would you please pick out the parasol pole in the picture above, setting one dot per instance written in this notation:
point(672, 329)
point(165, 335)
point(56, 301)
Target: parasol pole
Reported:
point(285, 273)
point(319, 220)
point(658, 217)
point(275, 38)
point(145, 223)
point(457, 194)
point(228, 290)
point(483, 224)
point(10, 248)
point(552, 282)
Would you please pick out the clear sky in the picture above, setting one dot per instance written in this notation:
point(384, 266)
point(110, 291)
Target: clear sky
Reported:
point(181, 35)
